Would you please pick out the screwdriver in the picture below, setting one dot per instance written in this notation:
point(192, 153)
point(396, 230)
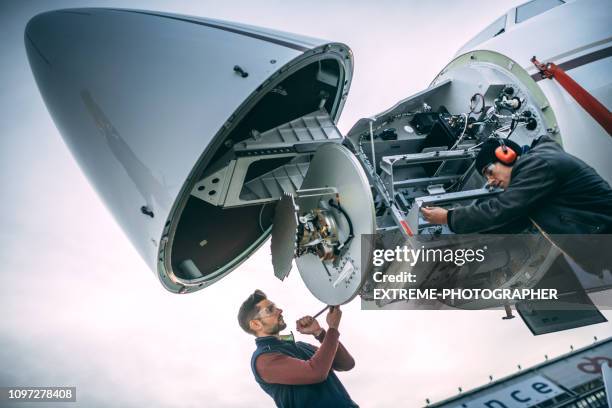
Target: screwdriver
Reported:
point(319, 314)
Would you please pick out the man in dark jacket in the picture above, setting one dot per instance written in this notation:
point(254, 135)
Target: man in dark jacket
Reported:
point(296, 374)
point(556, 191)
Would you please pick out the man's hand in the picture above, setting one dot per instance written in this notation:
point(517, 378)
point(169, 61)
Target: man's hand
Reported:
point(333, 317)
point(308, 325)
point(435, 215)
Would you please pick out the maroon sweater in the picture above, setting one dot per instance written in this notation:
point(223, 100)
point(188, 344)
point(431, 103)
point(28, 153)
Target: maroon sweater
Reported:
point(277, 368)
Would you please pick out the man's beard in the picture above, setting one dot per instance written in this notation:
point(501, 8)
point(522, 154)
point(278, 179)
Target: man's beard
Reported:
point(280, 325)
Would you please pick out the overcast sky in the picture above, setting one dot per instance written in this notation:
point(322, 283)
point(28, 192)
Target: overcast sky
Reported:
point(80, 308)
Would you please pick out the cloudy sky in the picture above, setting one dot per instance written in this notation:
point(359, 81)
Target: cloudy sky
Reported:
point(80, 308)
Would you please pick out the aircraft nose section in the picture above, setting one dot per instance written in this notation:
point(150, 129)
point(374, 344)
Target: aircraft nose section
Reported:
point(148, 101)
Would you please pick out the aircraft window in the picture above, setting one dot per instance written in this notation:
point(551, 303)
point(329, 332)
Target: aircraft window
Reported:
point(535, 7)
point(493, 30)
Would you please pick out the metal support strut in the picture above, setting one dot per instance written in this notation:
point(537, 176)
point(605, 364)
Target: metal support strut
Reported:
point(595, 108)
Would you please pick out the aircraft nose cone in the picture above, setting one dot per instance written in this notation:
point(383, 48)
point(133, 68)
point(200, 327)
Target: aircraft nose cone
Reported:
point(144, 101)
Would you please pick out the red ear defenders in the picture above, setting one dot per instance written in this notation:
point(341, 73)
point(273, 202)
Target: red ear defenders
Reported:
point(504, 154)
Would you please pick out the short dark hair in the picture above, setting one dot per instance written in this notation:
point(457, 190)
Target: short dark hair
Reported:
point(248, 310)
point(486, 155)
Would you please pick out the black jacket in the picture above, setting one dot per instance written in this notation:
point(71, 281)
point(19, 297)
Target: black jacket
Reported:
point(557, 191)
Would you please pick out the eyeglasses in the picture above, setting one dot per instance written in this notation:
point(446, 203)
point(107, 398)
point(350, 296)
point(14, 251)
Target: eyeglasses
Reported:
point(270, 310)
point(487, 171)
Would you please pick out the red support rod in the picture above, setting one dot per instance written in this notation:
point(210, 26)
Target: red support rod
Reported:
point(588, 102)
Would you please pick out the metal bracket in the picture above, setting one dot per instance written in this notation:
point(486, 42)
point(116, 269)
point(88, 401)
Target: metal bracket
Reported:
point(388, 162)
point(224, 187)
point(425, 181)
point(314, 192)
point(457, 196)
point(304, 134)
point(227, 187)
point(213, 188)
point(436, 189)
